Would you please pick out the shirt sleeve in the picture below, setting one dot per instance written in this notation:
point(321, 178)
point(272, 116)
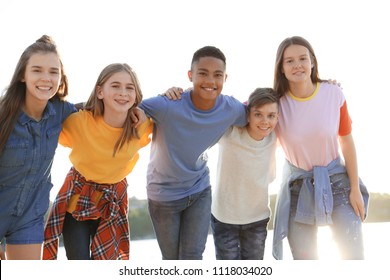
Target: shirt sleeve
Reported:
point(240, 109)
point(345, 127)
point(155, 107)
point(145, 131)
point(69, 108)
point(65, 138)
point(242, 115)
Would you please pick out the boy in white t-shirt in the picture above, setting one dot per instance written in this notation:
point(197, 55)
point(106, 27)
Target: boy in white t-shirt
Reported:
point(246, 167)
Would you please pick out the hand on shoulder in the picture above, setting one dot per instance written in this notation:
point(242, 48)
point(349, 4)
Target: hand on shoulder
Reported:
point(173, 93)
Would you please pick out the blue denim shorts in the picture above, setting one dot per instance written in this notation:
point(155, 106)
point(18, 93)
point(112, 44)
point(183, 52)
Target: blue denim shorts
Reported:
point(16, 231)
point(27, 228)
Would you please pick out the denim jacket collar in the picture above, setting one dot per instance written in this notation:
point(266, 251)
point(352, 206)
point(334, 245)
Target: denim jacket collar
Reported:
point(49, 111)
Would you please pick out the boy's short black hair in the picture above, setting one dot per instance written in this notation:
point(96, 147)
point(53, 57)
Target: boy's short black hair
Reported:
point(208, 51)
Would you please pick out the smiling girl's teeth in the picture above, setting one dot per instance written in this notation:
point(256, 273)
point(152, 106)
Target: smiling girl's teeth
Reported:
point(121, 101)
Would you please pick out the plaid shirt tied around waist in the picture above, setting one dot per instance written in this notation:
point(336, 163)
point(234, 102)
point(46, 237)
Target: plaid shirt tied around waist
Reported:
point(112, 238)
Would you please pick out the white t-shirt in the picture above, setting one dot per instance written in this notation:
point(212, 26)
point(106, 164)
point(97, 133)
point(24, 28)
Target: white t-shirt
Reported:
point(246, 167)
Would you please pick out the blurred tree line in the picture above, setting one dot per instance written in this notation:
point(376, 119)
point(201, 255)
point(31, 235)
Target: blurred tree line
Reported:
point(140, 224)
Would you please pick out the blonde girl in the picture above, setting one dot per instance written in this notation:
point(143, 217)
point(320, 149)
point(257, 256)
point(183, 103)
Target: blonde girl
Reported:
point(90, 210)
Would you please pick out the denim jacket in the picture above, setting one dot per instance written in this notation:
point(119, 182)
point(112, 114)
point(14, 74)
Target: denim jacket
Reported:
point(25, 163)
point(315, 204)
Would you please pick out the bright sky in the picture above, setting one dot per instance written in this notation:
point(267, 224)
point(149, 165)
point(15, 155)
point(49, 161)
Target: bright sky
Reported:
point(158, 38)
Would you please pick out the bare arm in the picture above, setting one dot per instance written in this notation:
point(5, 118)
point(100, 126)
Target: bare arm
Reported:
point(349, 153)
point(138, 116)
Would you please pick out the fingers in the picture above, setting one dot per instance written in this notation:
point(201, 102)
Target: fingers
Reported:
point(174, 93)
point(357, 203)
point(334, 82)
point(134, 118)
point(138, 116)
point(359, 210)
point(80, 106)
point(361, 213)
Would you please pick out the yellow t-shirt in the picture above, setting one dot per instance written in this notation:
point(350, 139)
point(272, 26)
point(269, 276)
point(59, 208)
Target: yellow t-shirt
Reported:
point(92, 142)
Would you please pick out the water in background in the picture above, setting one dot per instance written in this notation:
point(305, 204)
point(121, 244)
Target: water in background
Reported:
point(376, 242)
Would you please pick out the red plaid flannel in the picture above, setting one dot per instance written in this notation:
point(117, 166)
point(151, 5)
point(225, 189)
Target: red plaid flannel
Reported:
point(112, 239)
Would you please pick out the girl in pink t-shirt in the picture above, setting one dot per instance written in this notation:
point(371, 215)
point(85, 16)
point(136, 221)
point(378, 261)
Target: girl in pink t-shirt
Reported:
point(318, 187)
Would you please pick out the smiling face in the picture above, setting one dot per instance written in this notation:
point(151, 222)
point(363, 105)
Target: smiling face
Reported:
point(262, 120)
point(118, 94)
point(208, 76)
point(42, 77)
point(297, 64)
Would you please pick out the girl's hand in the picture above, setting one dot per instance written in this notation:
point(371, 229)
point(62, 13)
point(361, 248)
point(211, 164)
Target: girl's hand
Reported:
point(138, 116)
point(357, 203)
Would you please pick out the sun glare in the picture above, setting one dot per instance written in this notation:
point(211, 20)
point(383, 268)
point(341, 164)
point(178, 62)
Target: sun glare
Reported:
point(327, 249)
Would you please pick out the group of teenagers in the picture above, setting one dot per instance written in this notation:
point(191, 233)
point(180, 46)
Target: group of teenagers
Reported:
point(307, 116)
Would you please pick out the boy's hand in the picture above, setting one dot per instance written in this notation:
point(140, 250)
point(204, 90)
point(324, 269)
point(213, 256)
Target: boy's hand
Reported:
point(174, 93)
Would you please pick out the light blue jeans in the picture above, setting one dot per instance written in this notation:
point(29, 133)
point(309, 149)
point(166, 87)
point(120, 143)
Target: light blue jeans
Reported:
point(346, 227)
point(182, 226)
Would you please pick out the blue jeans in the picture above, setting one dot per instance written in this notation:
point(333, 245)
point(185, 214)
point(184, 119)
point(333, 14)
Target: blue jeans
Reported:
point(239, 242)
point(346, 227)
point(181, 226)
point(77, 237)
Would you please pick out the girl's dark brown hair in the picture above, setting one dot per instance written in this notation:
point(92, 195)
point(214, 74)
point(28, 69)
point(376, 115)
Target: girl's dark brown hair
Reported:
point(12, 100)
point(280, 80)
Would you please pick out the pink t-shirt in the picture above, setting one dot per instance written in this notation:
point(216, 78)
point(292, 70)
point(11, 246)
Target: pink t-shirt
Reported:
point(308, 128)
